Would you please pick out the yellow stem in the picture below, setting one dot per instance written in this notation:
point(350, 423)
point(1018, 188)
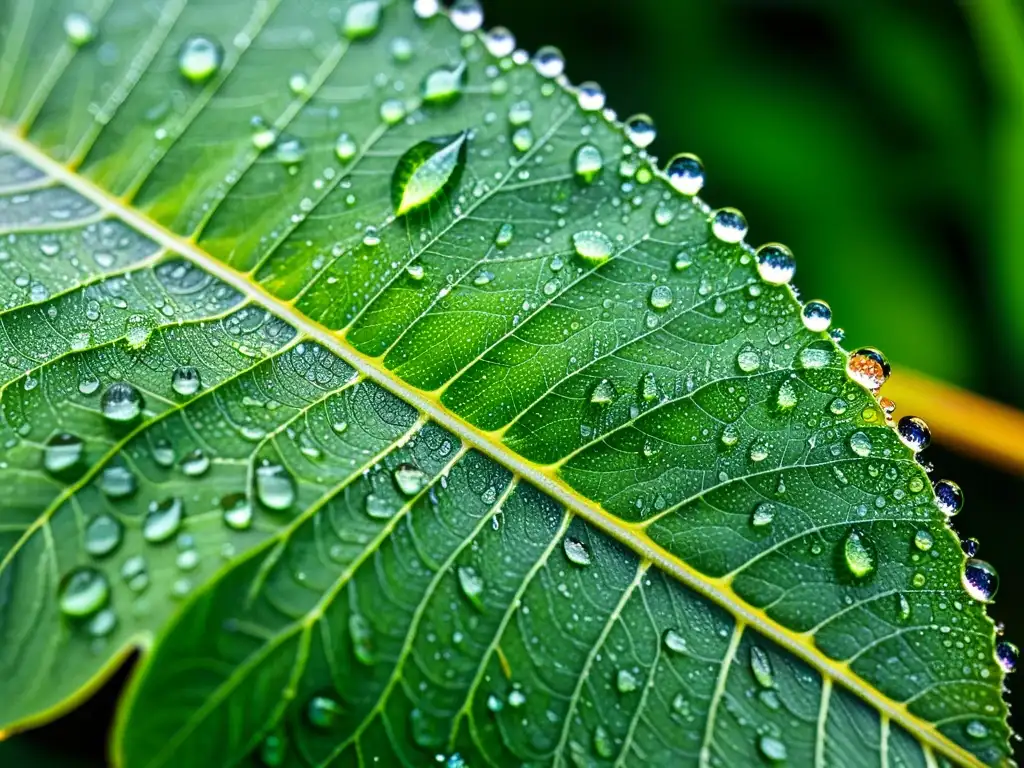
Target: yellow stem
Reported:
point(960, 420)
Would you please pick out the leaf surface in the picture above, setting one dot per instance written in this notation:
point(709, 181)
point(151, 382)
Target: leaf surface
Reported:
point(346, 383)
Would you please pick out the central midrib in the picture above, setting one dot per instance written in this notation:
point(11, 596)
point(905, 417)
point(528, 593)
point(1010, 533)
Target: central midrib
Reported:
point(716, 590)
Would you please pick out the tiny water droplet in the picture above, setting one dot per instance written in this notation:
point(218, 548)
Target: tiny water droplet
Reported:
point(976, 729)
point(869, 368)
point(504, 235)
point(195, 463)
point(729, 225)
point(379, 508)
point(415, 271)
point(590, 96)
point(199, 59)
point(273, 750)
point(62, 452)
point(686, 174)
point(858, 555)
point(786, 397)
point(83, 592)
point(275, 487)
point(345, 147)
point(603, 392)
point(289, 150)
point(775, 263)
point(426, 170)
point(135, 574)
point(980, 580)
point(362, 639)
point(237, 512)
point(748, 360)
point(163, 519)
point(117, 482)
point(575, 551)
point(103, 623)
point(903, 607)
point(466, 15)
point(102, 535)
point(500, 42)
point(121, 402)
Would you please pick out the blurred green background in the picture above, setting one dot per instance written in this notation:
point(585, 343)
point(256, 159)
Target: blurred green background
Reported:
point(882, 140)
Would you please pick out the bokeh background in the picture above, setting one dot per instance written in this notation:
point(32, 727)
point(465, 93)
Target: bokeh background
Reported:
point(883, 141)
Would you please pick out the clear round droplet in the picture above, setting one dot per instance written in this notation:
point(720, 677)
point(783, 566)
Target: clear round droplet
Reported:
point(593, 245)
point(103, 534)
point(640, 131)
point(868, 367)
point(62, 452)
point(275, 487)
point(590, 96)
point(466, 15)
point(186, 380)
point(914, 433)
point(775, 263)
point(729, 225)
point(236, 512)
point(626, 681)
point(686, 174)
point(163, 519)
point(79, 29)
point(323, 712)
point(764, 514)
point(195, 463)
point(289, 150)
point(576, 551)
point(199, 59)
point(549, 61)
point(117, 482)
point(661, 297)
point(860, 444)
point(675, 642)
point(345, 147)
point(361, 19)
point(121, 402)
point(443, 85)
point(924, 540)
point(772, 749)
point(948, 497)
point(587, 162)
point(858, 555)
point(980, 580)
point(817, 316)
point(500, 42)
point(83, 592)
point(1006, 656)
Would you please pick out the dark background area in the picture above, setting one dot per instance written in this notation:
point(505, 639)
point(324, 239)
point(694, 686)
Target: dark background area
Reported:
point(882, 141)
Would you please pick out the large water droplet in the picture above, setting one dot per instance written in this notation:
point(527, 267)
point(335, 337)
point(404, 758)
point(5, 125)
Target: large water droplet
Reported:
point(195, 463)
point(444, 85)
point(675, 642)
point(980, 580)
point(323, 712)
point(103, 623)
point(914, 433)
point(587, 162)
point(163, 519)
point(603, 392)
point(575, 551)
point(549, 61)
point(764, 514)
point(1006, 655)
point(976, 729)
point(775, 263)
point(361, 19)
point(289, 150)
point(79, 29)
point(603, 745)
point(860, 444)
point(772, 749)
point(410, 479)
point(275, 487)
point(199, 59)
point(500, 42)
point(817, 316)
point(748, 360)
point(729, 225)
point(426, 170)
point(686, 174)
point(661, 297)
point(761, 667)
point(466, 15)
point(869, 368)
point(102, 535)
point(948, 497)
point(121, 402)
point(640, 130)
point(83, 592)
point(237, 511)
point(593, 245)
point(626, 681)
point(472, 584)
point(590, 96)
point(345, 147)
point(858, 554)
point(379, 507)
point(62, 451)
point(117, 482)
point(186, 381)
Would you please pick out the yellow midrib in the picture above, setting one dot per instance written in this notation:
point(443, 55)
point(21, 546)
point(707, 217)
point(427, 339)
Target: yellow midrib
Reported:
point(717, 590)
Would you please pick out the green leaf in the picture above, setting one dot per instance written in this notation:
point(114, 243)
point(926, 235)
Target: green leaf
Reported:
point(397, 415)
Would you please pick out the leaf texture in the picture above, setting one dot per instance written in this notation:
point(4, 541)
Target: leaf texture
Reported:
point(517, 463)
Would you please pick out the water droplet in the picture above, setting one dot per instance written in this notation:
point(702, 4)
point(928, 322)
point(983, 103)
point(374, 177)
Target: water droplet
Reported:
point(345, 147)
point(775, 263)
point(275, 487)
point(817, 354)
point(195, 463)
point(83, 592)
point(587, 162)
point(903, 607)
point(79, 29)
point(103, 623)
point(444, 85)
point(948, 497)
point(323, 712)
point(379, 507)
point(773, 749)
point(522, 139)
point(976, 729)
point(504, 235)
point(858, 555)
point(410, 479)
point(102, 535)
point(134, 573)
point(661, 297)
point(575, 551)
point(62, 451)
point(764, 514)
point(1006, 656)
point(603, 392)
point(729, 225)
point(590, 96)
point(640, 130)
point(426, 170)
point(675, 641)
point(761, 667)
point(298, 84)
point(860, 444)
point(817, 316)
point(500, 42)
point(869, 368)
point(923, 540)
point(415, 271)
point(199, 59)
point(748, 360)
point(289, 150)
point(466, 15)
point(686, 174)
point(516, 699)
point(237, 512)
point(392, 111)
point(626, 681)
point(361, 19)
point(121, 402)
point(163, 519)
point(117, 482)
point(549, 61)
point(273, 750)
point(980, 580)
point(362, 639)
point(649, 387)
point(592, 245)
point(263, 135)
point(186, 380)
point(914, 433)
point(603, 745)
point(472, 584)
point(786, 397)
